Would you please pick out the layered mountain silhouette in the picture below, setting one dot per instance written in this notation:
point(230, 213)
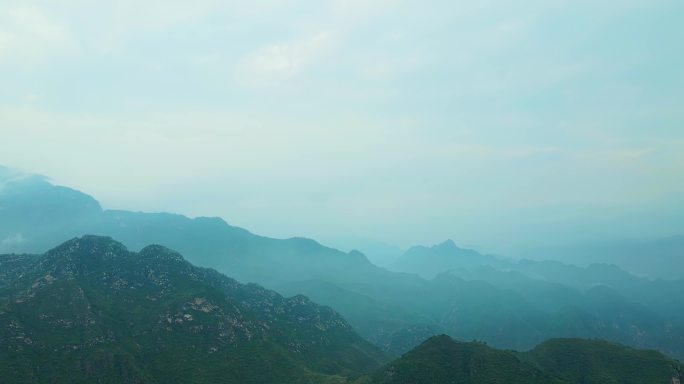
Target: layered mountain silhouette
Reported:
point(662, 257)
point(507, 303)
point(91, 311)
point(429, 262)
point(441, 360)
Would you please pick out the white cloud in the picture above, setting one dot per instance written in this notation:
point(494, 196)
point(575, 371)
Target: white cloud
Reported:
point(357, 9)
point(29, 35)
point(31, 97)
point(12, 241)
point(127, 19)
point(420, 109)
point(286, 59)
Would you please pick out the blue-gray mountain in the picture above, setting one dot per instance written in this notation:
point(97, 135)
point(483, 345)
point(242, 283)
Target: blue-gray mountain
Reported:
point(662, 258)
point(505, 303)
point(91, 311)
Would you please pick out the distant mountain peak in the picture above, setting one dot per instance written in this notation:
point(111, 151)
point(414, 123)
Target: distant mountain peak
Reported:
point(162, 253)
point(85, 302)
point(429, 262)
point(81, 255)
point(89, 246)
point(448, 244)
point(440, 359)
point(91, 241)
point(439, 340)
point(357, 254)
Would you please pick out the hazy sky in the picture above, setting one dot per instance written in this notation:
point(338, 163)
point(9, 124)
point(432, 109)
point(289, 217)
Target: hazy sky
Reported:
point(500, 124)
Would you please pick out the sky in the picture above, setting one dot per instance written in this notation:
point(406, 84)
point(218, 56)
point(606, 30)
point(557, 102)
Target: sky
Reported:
point(503, 125)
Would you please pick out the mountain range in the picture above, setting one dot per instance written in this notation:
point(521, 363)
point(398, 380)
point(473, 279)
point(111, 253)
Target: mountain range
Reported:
point(512, 304)
point(89, 310)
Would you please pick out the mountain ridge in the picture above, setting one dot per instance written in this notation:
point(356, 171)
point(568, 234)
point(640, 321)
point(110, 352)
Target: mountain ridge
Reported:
point(442, 360)
point(393, 310)
point(93, 297)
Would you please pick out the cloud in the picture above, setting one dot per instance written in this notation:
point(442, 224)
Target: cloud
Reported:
point(29, 35)
point(124, 20)
point(9, 176)
point(37, 33)
point(266, 110)
point(31, 97)
point(12, 241)
point(284, 60)
point(361, 9)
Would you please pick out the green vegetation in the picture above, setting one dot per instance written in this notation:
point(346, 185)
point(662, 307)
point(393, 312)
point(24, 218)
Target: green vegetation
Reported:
point(509, 304)
point(441, 360)
point(602, 362)
point(89, 309)
point(13, 266)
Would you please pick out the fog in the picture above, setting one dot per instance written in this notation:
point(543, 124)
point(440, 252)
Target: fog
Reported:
point(515, 128)
point(341, 191)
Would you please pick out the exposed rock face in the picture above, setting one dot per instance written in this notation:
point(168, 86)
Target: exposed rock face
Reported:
point(13, 266)
point(90, 309)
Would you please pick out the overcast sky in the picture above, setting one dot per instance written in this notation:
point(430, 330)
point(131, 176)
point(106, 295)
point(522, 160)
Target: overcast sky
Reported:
point(499, 124)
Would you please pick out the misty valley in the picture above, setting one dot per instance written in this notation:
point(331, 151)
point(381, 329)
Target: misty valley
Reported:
point(341, 192)
point(111, 296)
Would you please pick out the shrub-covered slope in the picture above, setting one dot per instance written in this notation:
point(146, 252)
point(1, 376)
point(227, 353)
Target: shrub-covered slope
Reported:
point(441, 360)
point(91, 311)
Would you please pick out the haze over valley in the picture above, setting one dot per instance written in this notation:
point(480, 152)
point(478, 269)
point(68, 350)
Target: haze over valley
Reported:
point(342, 192)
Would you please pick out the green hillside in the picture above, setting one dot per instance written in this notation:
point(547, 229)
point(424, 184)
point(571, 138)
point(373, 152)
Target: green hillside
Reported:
point(602, 362)
point(90, 309)
point(441, 360)
point(509, 304)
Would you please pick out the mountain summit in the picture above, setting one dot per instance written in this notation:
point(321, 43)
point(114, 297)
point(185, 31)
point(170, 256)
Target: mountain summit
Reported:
point(428, 262)
point(465, 294)
point(90, 308)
